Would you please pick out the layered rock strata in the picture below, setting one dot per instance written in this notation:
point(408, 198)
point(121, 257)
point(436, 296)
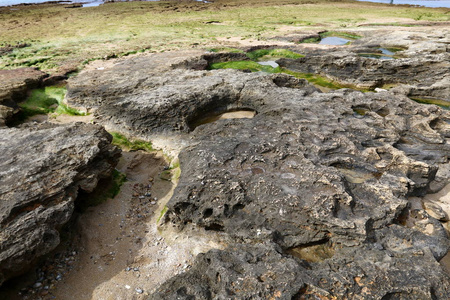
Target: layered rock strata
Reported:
point(41, 171)
point(312, 192)
point(14, 85)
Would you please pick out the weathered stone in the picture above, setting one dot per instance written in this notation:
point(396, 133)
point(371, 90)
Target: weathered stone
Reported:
point(14, 84)
point(5, 114)
point(240, 272)
point(41, 171)
point(347, 67)
point(309, 169)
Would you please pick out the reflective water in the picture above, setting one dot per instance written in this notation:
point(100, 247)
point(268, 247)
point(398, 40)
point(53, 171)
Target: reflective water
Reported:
point(379, 55)
point(427, 3)
point(271, 63)
point(334, 40)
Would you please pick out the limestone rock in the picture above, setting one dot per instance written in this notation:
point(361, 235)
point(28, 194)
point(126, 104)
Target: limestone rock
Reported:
point(329, 172)
point(41, 171)
point(15, 83)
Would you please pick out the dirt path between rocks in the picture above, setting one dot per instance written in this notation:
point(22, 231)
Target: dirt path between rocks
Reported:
point(122, 255)
point(118, 252)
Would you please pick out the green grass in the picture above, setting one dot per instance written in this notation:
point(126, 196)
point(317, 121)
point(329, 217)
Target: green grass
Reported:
point(340, 34)
point(225, 49)
point(47, 100)
point(255, 67)
point(121, 141)
point(314, 79)
point(311, 40)
point(242, 65)
point(276, 53)
point(56, 37)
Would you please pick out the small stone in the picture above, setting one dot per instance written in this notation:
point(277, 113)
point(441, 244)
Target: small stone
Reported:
point(37, 285)
point(59, 277)
point(127, 287)
point(136, 269)
point(128, 269)
point(153, 202)
point(139, 291)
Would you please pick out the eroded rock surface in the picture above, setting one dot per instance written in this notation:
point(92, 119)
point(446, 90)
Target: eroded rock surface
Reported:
point(325, 173)
point(41, 172)
point(14, 85)
point(423, 61)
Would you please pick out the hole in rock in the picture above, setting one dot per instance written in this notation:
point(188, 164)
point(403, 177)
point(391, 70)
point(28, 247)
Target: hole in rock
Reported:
point(313, 252)
point(383, 112)
point(355, 174)
point(237, 113)
point(106, 188)
point(360, 111)
point(207, 213)
point(214, 227)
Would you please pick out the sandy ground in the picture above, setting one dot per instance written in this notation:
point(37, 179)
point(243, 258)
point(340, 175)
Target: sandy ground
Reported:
point(122, 253)
point(118, 251)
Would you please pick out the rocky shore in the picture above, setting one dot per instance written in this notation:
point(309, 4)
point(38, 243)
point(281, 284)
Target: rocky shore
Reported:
point(315, 195)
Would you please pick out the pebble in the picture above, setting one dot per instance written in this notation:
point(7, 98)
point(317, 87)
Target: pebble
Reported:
point(37, 285)
point(128, 269)
point(127, 287)
point(153, 202)
point(139, 291)
point(136, 269)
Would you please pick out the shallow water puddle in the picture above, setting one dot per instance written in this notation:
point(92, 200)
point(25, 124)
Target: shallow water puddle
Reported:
point(271, 63)
point(385, 54)
point(233, 114)
point(334, 41)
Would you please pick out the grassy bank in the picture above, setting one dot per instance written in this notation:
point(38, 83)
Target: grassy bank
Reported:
point(51, 36)
point(47, 100)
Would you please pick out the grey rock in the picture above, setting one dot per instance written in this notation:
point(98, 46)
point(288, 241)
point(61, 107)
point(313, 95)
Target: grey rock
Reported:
point(327, 174)
point(41, 172)
point(14, 85)
point(240, 272)
point(347, 67)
